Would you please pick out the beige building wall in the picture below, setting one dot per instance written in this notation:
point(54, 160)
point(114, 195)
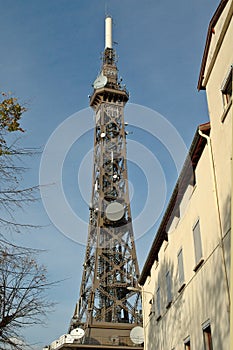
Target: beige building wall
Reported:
point(220, 112)
point(202, 298)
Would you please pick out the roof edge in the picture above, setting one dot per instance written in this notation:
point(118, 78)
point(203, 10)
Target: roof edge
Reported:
point(212, 23)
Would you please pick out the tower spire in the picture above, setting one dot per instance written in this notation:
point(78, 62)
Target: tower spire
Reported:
point(108, 32)
point(107, 87)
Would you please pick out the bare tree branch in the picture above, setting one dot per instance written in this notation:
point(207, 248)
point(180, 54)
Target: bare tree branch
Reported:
point(23, 282)
point(23, 286)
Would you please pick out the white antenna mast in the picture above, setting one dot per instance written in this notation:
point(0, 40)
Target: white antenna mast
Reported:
point(108, 32)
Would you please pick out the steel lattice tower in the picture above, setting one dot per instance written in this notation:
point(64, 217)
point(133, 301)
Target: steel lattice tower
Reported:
point(106, 309)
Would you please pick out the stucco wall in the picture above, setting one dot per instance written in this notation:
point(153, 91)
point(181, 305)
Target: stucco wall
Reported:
point(205, 295)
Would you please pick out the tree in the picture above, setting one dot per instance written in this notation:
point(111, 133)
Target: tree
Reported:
point(23, 283)
point(23, 302)
point(12, 196)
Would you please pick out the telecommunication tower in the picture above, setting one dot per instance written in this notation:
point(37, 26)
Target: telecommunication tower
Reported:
point(107, 310)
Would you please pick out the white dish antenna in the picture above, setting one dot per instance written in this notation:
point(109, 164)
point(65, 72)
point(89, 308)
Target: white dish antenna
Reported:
point(78, 333)
point(100, 82)
point(137, 335)
point(65, 339)
point(114, 211)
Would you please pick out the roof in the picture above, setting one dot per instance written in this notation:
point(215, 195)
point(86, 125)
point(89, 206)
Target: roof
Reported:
point(210, 32)
point(190, 164)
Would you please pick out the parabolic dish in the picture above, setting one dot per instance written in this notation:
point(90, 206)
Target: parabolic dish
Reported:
point(137, 335)
point(114, 211)
point(78, 333)
point(100, 81)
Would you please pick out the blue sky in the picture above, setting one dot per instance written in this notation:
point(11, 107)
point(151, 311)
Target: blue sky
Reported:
point(50, 56)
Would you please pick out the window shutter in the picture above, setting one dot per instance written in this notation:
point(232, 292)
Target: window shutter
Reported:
point(197, 242)
point(169, 290)
point(181, 266)
point(158, 302)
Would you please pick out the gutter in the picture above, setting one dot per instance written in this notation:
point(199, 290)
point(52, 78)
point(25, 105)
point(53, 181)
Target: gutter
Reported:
point(210, 32)
point(208, 140)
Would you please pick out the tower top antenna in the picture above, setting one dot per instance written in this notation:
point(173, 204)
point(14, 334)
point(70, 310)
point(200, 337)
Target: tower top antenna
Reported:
point(108, 32)
point(106, 9)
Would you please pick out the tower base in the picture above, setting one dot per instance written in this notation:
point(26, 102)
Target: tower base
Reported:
point(109, 334)
point(102, 335)
point(93, 347)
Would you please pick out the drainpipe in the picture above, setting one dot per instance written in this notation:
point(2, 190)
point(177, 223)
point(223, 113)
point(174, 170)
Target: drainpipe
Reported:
point(208, 140)
point(231, 271)
point(143, 291)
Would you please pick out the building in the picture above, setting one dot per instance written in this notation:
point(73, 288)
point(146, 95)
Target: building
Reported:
point(185, 281)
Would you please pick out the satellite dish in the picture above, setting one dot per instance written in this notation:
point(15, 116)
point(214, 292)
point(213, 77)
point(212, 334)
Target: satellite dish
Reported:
point(100, 81)
point(65, 339)
point(69, 338)
point(78, 333)
point(137, 335)
point(114, 211)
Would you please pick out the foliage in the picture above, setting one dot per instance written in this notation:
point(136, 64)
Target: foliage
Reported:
point(10, 115)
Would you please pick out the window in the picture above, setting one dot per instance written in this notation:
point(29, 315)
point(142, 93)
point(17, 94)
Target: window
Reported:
point(152, 308)
point(158, 303)
point(207, 338)
point(169, 289)
point(197, 245)
point(187, 344)
point(227, 88)
point(180, 268)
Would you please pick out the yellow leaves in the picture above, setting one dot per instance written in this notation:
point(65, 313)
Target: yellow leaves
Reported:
point(10, 113)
